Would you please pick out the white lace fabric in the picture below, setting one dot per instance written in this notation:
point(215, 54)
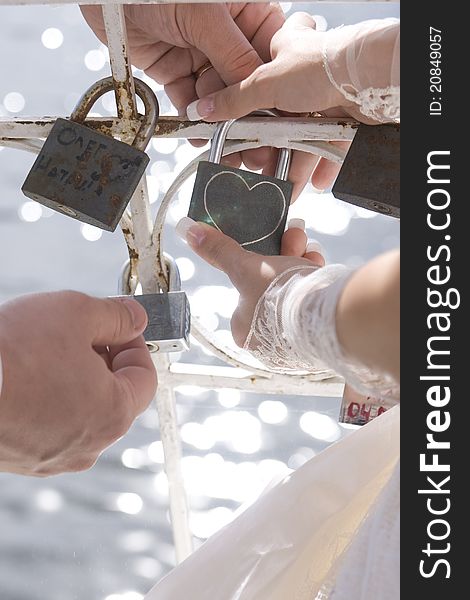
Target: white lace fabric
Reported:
point(294, 329)
point(362, 62)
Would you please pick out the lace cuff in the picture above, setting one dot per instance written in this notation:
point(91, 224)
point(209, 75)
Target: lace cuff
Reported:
point(362, 62)
point(294, 329)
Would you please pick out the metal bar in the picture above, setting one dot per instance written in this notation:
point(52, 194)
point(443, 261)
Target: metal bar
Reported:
point(143, 246)
point(214, 377)
point(271, 131)
point(166, 407)
point(106, 2)
point(115, 24)
point(116, 33)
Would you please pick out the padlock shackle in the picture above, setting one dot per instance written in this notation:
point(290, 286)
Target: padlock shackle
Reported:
point(174, 278)
point(126, 288)
point(145, 93)
point(220, 136)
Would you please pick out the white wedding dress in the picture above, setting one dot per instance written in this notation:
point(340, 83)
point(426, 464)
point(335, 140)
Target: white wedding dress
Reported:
point(330, 530)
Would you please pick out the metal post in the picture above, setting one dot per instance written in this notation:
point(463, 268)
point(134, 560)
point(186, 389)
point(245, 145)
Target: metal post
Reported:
point(114, 20)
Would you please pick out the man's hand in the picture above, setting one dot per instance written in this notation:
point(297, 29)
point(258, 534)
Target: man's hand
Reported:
point(76, 373)
point(171, 42)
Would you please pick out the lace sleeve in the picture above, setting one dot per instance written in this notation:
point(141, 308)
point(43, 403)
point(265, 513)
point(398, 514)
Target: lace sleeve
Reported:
point(294, 329)
point(362, 62)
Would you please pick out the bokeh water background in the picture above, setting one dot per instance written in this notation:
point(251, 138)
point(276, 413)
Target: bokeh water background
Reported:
point(105, 534)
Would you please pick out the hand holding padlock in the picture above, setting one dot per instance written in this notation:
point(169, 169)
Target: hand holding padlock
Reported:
point(169, 318)
point(249, 207)
point(85, 174)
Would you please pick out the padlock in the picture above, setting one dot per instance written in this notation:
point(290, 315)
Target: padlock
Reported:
point(169, 318)
point(370, 174)
point(249, 207)
point(85, 174)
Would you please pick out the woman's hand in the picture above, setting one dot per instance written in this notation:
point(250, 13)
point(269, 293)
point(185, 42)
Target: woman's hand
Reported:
point(296, 81)
point(250, 273)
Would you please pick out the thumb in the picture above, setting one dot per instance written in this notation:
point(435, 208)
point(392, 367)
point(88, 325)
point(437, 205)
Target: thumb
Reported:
point(216, 248)
point(115, 320)
point(255, 92)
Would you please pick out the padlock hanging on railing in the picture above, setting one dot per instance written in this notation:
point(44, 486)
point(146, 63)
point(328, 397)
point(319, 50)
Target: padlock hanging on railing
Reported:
point(86, 174)
point(169, 318)
point(249, 207)
point(370, 174)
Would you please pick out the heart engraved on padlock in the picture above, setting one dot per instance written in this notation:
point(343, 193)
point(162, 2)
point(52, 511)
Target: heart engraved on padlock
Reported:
point(256, 220)
point(275, 196)
point(88, 175)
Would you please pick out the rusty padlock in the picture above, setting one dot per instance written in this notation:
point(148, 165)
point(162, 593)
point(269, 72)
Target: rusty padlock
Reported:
point(370, 174)
point(249, 207)
point(86, 174)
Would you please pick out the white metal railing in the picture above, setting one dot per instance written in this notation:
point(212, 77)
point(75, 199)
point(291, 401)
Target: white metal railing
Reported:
point(144, 237)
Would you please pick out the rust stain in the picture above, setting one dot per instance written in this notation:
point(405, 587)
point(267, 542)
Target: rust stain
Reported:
point(354, 125)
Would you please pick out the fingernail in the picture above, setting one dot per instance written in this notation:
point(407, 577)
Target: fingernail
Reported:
point(296, 224)
point(317, 190)
point(314, 246)
point(138, 312)
point(321, 24)
point(200, 109)
point(190, 231)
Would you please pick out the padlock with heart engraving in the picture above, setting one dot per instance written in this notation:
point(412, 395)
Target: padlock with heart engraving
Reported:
point(249, 207)
point(169, 318)
point(86, 174)
point(370, 174)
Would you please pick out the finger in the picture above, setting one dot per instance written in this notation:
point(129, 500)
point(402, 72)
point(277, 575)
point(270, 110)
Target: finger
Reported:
point(324, 174)
point(134, 372)
point(198, 143)
point(326, 171)
point(181, 92)
point(216, 248)
point(232, 160)
point(170, 63)
point(209, 82)
point(257, 159)
point(284, 37)
point(300, 171)
point(299, 20)
point(259, 22)
point(294, 239)
point(314, 253)
point(238, 100)
point(114, 320)
point(227, 48)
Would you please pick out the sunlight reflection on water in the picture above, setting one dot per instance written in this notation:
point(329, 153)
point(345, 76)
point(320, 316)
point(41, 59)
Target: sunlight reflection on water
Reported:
point(105, 534)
